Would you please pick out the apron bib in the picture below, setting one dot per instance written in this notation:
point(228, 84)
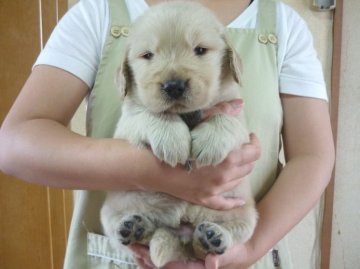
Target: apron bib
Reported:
point(87, 248)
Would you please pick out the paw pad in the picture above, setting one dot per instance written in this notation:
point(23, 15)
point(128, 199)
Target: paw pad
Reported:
point(132, 229)
point(211, 238)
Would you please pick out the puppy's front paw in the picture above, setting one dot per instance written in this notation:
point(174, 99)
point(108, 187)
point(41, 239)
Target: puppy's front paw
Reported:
point(135, 228)
point(208, 148)
point(171, 142)
point(210, 238)
point(213, 140)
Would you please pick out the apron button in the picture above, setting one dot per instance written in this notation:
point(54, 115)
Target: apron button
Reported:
point(125, 31)
point(272, 38)
point(117, 31)
point(263, 39)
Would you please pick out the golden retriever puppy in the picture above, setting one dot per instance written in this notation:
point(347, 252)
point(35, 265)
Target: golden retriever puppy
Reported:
point(178, 62)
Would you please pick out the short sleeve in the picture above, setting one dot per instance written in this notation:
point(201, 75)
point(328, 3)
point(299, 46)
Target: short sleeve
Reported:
point(300, 70)
point(76, 43)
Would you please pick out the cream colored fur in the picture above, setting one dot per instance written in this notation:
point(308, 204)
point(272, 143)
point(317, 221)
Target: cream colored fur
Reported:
point(170, 32)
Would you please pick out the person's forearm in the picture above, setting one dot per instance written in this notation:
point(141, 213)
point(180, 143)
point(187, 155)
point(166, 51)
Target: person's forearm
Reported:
point(45, 152)
point(310, 154)
point(294, 194)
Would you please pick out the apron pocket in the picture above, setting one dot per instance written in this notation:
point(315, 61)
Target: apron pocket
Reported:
point(102, 256)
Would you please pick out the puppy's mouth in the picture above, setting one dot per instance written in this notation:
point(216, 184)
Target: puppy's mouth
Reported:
point(175, 107)
point(181, 106)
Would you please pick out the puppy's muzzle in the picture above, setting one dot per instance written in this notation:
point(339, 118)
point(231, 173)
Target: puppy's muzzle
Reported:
point(174, 89)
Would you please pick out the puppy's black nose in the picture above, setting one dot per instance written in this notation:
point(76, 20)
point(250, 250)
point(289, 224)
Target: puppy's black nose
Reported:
point(174, 88)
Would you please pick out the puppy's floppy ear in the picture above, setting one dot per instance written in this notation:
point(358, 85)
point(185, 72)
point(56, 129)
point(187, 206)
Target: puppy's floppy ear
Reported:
point(124, 78)
point(231, 62)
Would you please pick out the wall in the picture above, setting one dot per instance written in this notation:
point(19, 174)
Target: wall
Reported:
point(346, 219)
point(34, 219)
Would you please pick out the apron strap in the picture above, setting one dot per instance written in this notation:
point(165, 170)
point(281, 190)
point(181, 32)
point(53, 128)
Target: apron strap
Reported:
point(266, 18)
point(119, 15)
point(104, 104)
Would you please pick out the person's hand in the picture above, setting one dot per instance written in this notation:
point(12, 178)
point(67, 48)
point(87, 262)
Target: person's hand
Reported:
point(210, 182)
point(142, 258)
point(233, 107)
point(243, 158)
point(235, 258)
point(205, 185)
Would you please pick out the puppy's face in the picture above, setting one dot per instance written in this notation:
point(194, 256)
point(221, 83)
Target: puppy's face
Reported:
point(177, 58)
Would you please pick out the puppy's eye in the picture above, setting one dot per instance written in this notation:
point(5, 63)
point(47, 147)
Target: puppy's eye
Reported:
point(147, 55)
point(200, 50)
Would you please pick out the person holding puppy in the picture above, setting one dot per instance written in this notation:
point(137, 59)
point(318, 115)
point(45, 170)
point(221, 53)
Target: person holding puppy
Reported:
point(285, 96)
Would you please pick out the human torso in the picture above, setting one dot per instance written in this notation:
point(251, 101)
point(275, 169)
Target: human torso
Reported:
point(226, 11)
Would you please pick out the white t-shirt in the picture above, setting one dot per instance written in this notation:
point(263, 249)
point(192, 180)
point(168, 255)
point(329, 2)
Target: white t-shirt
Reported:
point(77, 41)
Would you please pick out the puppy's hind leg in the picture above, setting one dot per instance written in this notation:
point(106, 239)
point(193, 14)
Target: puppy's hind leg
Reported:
point(210, 237)
point(124, 221)
point(166, 246)
point(220, 233)
point(243, 226)
point(135, 228)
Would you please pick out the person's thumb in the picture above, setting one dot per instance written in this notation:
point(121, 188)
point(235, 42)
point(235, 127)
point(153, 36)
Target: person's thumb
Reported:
point(211, 261)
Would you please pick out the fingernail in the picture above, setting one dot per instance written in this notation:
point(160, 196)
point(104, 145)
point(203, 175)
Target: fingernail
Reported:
point(137, 256)
point(241, 202)
point(236, 104)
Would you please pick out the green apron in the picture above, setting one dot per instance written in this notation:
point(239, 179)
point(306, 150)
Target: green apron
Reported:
point(87, 248)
